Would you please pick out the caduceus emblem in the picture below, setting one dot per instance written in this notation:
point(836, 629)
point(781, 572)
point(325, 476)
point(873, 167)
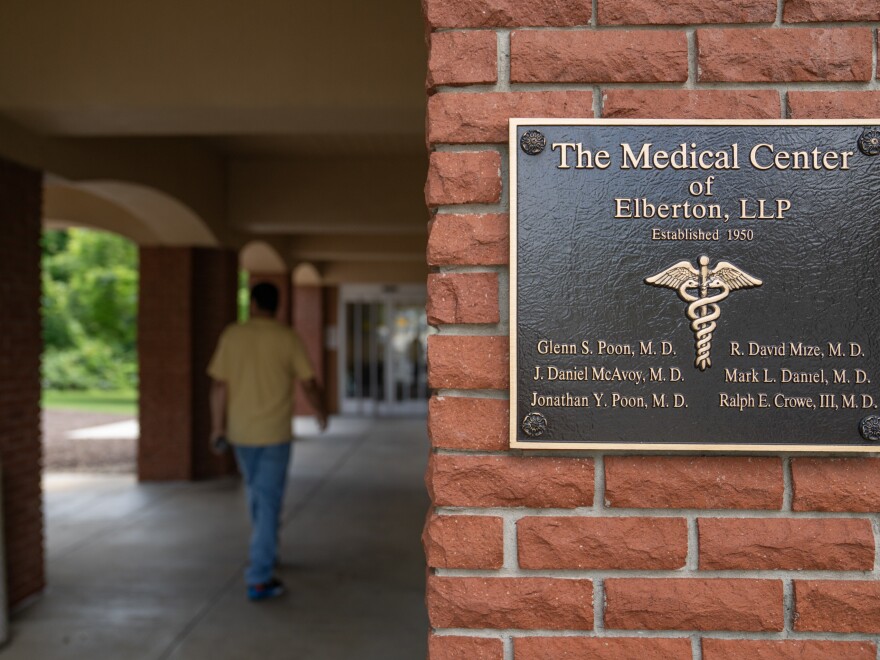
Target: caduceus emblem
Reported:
point(703, 309)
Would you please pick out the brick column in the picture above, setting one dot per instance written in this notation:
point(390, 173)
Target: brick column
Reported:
point(20, 349)
point(187, 296)
point(215, 305)
point(639, 556)
point(308, 319)
point(331, 352)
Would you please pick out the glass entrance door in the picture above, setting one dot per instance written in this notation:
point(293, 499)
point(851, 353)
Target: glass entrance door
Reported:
point(383, 349)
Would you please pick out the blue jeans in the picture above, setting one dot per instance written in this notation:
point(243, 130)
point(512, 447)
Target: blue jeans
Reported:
point(265, 474)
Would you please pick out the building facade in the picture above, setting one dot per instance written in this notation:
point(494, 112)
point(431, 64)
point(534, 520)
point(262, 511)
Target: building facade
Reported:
point(608, 555)
point(219, 158)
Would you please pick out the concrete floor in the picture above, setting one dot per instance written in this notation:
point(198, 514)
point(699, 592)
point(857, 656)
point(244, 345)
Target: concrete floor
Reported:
point(154, 571)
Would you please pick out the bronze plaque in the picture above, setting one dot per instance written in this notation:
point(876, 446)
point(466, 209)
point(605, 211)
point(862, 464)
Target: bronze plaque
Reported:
point(698, 285)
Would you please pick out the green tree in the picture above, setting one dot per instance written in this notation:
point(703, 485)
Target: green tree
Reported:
point(90, 283)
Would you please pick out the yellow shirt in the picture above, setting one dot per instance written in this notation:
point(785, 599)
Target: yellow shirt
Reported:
point(259, 361)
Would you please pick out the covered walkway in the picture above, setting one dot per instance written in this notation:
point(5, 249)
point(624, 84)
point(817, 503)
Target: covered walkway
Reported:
point(220, 138)
point(154, 571)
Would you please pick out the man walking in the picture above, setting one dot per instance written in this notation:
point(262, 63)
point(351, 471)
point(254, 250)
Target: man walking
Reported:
point(254, 370)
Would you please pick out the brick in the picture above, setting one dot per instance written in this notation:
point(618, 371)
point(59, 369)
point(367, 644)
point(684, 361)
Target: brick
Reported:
point(469, 240)
point(522, 603)
point(790, 649)
point(685, 12)
point(621, 103)
point(215, 277)
point(582, 56)
point(693, 604)
point(456, 118)
point(173, 357)
point(469, 423)
point(463, 58)
point(602, 543)
point(464, 541)
point(693, 482)
point(834, 105)
point(512, 481)
point(450, 647)
point(785, 55)
point(837, 606)
point(468, 362)
point(165, 392)
point(20, 350)
point(824, 544)
point(307, 315)
point(830, 11)
point(833, 484)
point(619, 648)
point(462, 298)
point(505, 13)
point(463, 178)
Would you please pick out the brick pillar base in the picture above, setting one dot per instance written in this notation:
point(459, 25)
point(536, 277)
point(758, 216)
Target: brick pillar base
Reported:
point(308, 319)
point(187, 297)
point(20, 348)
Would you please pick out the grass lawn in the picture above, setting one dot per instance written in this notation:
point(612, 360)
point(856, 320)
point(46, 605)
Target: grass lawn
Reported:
point(103, 401)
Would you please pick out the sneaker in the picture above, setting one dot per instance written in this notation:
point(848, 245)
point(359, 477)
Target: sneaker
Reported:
point(271, 589)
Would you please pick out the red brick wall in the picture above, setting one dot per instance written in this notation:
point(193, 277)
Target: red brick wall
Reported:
point(214, 306)
point(586, 555)
point(20, 349)
point(187, 296)
point(165, 363)
point(331, 351)
point(308, 319)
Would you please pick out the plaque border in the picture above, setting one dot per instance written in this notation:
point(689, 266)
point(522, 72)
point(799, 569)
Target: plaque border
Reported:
point(647, 447)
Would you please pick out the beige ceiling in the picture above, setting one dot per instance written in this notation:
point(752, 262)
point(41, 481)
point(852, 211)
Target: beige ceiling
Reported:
point(301, 123)
point(249, 69)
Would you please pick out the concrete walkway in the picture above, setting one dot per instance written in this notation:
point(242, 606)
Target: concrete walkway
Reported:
point(154, 571)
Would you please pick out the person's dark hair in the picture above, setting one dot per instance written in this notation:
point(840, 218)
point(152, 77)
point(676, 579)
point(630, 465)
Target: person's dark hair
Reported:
point(265, 297)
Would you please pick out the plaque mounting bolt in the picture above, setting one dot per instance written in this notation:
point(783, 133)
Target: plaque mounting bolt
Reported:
point(534, 425)
point(869, 428)
point(869, 142)
point(533, 142)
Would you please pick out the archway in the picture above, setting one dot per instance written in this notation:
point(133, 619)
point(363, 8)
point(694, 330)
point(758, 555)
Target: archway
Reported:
point(186, 295)
point(307, 274)
point(147, 216)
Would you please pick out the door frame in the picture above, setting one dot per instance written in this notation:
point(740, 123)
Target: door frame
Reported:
point(391, 296)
